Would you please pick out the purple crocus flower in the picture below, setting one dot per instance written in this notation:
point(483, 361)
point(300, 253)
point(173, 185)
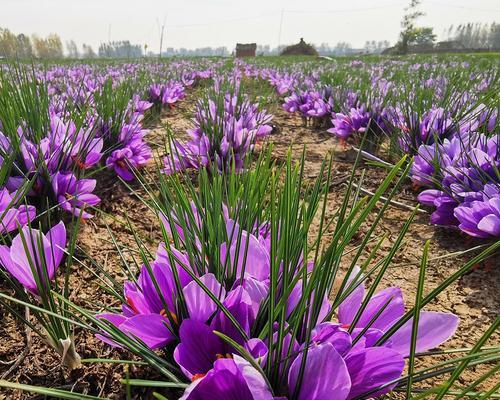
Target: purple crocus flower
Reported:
point(148, 314)
point(481, 218)
point(135, 154)
point(229, 379)
point(434, 327)
point(332, 369)
point(444, 203)
point(344, 125)
point(66, 146)
point(140, 106)
point(199, 347)
point(182, 158)
point(456, 171)
point(348, 370)
point(224, 133)
point(74, 195)
point(172, 92)
point(155, 93)
point(12, 217)
point(435, 123)
point(25, 255)
point(334, 381)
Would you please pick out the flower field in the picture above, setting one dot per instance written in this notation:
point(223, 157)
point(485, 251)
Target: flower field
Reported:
point(281, 228)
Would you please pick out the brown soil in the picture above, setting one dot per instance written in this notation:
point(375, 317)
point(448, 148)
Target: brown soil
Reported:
point(472, 297)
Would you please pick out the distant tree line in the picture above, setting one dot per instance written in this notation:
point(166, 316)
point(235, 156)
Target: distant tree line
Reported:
point(198, 52)
point(25, 47)
point(475, 35)
point(325, 49)
point(22, 46)
point(471, 36)
point(120, 49)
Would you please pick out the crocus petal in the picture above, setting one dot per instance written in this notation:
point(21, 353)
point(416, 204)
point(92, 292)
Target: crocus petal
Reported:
point(151, 329)
point(490, 224)
point(257, 290)
point(23, 275)
point(325, 375)
point(434, 328)
point(371, 368)
point(350, 306)
point(116, 320)
point(239, 304)
point(57, 239)
point(228, 381)
point(198, 348)
point(254, 379)
point(393, 310)
point(256, 264)
point(199, 304)
point(25, 249)
point(329, 332)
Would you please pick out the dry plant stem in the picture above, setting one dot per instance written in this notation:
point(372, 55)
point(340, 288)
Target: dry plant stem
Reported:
point(392, 202)
point(26, 350)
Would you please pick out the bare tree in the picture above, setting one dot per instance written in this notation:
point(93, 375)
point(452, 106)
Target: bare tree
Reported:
point(88, 51)
point(72, 49)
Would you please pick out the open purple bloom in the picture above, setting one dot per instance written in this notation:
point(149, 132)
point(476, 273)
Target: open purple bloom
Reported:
point(371, 368)
point(200, 347)
point(12, 216)
point(229, 379)
point(74, 195)
point(140, 106)
point(481, 218)
point(367, 367)
point(445, 205)
point(135, 154)
point(436, 123)
point(344, 125)
point(332, 369)
point(149, 313)
point(32, 252)
point(433, 330)
point(459, 170)
point(325, 375)
point(67, 146)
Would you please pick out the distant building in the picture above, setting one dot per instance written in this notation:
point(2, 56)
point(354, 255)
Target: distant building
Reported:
point(246, 49)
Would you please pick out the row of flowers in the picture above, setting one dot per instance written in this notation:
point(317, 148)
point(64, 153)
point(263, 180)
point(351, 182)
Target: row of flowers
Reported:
point(87, 118)
point(437, 111)
point(226, 126)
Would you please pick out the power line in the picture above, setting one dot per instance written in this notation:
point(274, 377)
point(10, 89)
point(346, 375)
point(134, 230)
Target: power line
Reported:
point(462, 7)
point(345, 10)
point(283, 11)
point(223, 21)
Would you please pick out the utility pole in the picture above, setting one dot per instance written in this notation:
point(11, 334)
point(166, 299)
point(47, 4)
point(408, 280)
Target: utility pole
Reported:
point(161, 31)
point(281, 27)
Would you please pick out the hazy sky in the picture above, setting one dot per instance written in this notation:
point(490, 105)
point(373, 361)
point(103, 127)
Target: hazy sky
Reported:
point(198, 23)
